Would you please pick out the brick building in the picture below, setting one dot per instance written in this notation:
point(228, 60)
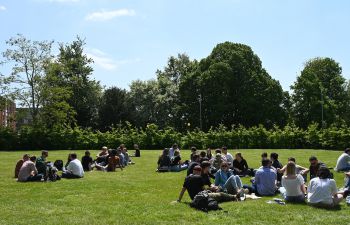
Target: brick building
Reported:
point(7, 113)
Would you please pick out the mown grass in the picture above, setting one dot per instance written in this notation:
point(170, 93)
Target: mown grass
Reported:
point(139, 195)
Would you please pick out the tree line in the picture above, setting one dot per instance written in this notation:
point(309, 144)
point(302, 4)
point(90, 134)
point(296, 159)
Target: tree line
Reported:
point(227, 88)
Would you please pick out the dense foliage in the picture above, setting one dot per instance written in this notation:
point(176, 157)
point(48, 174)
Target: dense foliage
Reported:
point(151, 137)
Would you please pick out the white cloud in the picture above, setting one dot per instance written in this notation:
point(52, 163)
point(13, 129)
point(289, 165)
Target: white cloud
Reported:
point(2, 8)
point(108, 15)
point(102, 60)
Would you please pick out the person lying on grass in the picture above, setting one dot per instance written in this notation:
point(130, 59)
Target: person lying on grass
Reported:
point(227, 181)
point(293, 187)
point(20, 163)
point(74, 168)
point(176, 164)
point(29, 172)
point(264, 183)
point(322, 190)
point(194, 184)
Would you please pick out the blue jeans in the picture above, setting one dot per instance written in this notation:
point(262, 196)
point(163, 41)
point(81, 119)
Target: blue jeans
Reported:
point(232, 184)
point(178, 168)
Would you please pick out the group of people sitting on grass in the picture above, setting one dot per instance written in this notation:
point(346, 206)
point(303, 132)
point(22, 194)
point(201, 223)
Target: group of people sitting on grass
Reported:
point(268, 180)
point(30, 168)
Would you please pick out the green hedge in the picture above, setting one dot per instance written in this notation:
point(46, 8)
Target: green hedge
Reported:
point(152, 137)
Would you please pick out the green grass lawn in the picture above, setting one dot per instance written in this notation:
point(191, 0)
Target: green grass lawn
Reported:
point(139, 195)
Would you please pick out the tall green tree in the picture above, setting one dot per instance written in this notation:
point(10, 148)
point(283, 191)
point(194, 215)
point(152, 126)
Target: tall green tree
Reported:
point(233, 88)
point(76, 73)
point(114, 108)
point(320, 87)
point(28, 59)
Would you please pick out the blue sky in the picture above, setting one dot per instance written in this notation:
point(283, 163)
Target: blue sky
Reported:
point(131, 39)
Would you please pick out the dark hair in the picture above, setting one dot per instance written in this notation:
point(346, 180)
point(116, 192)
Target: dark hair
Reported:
point(265, 162)
point(193, 149)
point(32, 158)
point(274, 155)
point(174, 145)
point(291, 159)
point(312, 158)
point(347, 150)
point(224, 147)
point(87, 152)
point(44, 152)
point(218, 150)
point(264, 155)
point(195, 157)
point(323, 172)
point(205, 164)
point(114, 152)
point(73, 155)
point(203, 154)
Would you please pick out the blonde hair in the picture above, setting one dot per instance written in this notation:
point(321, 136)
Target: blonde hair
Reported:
point(290, 168)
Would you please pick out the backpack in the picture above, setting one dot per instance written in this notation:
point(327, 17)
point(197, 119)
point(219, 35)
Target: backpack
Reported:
point(203, 202)
point(58, 164)
point(52, 173)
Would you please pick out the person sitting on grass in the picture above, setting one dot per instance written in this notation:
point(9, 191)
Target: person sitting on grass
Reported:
point(193, 152)
point(227, 155)
point(87, 161)
point(314, 166)
point(196, 162)
point(195, 184)
point(216, 161)
point(264, 155)
point(176, 164)
point(298, 169)
point(343, 162)
point(206, 176)
point(322, 190)
point(227, 181)
point(29, 172)
point(137, 151)
point(41, 163)
point(240, 165)
point(209, 155)
point(74, 168)
point(20, 163)
point(173, 149)
point(103, 152)
point(113, 162)
point(293, 187)
point(276, 164)
point(264, 183)
point(126, 159)
point(203, 156)
point(164, 161)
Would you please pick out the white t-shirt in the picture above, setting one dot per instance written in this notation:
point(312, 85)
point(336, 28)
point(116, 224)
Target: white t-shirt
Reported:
point(76, 168)
point(321, 191)
point(292, 186)
point(342, 162)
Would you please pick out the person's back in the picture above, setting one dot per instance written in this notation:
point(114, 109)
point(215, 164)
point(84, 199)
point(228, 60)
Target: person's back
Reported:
point(265, 180)
point(164, 161)
point(343, 161)
point(113, 162)
point(194, 184)
point(86, 161)
point(292, 185)
point(26, 171)
point(41, 163)
point(321, 190)
point(76, 168)
point(19, 164)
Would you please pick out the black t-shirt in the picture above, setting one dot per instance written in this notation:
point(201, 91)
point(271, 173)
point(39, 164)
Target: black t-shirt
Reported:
point(191, 166)
point(243, 165)
point(175, 161)
point(193, 184)
point(164, 161)
point(206, 179)
point(137, 153)
point(85, 161)
point(314, 169)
